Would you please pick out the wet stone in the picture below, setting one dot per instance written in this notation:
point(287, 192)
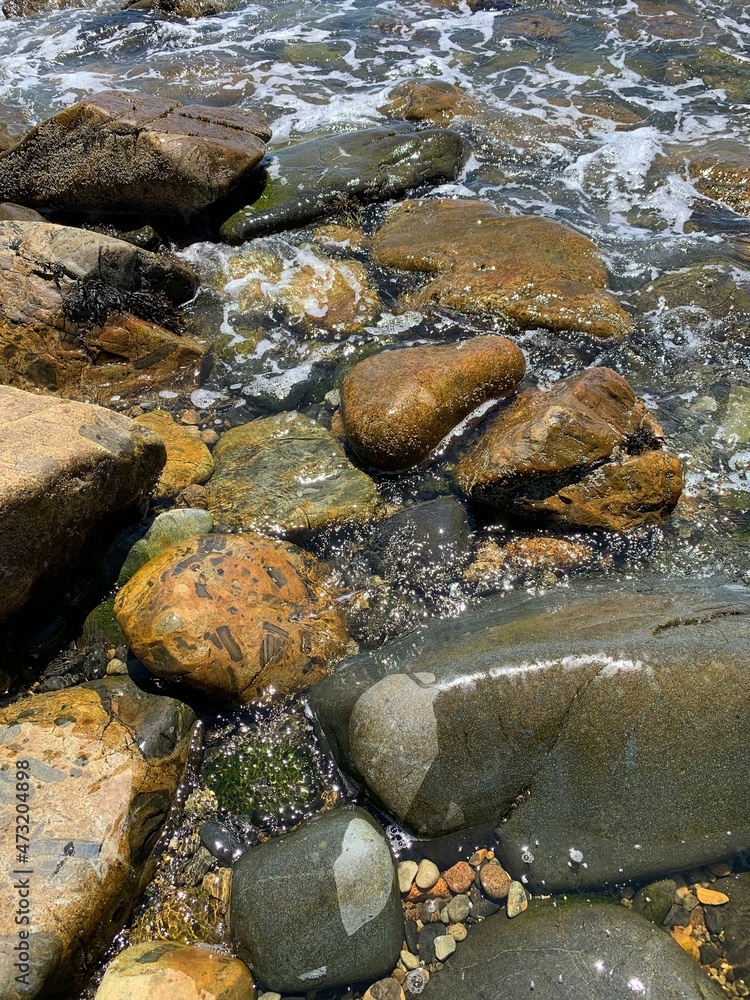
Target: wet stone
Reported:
point(427, 937)
point(654, 901)
point(224, 845)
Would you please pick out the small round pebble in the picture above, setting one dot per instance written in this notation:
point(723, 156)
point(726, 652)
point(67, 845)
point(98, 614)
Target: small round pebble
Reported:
point(385, 989)
point(410, 961)
point(444, 947)
point(458, 909)
point(478, 857)
point(518, 901)
point(190, 418)
point(116, 666)
point(495, 880)
point(457, 931)
point(460, 877)
point(209, 437)
point(427, 875)
point(406, 872)
point(269, 996)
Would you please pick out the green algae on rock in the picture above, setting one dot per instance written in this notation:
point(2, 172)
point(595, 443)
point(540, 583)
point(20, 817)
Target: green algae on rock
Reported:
point(310, 178)
point(570, 700)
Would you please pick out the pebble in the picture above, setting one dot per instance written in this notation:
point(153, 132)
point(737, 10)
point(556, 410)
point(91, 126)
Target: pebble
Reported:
point(190, 418)
point(495, 880)
point(385, 989)
point(406, 872)
point(460, 877)
point(444, 947)
point(687, 944)
point(721, 869)
point(269, 996)
point(427, 937)
point(409, 961)
point(457, 931)
point(458, 909)
point(116, 666)
point(478, 857)
point(400, 976)
point(219, 885)
point(518, 901)
point(710, 897)
point(427, 875)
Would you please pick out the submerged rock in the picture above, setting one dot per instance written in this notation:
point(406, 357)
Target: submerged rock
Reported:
point(428, 100)
point(101, 763)
point(70, 302)
point(238, 616)
point(398, 405)
point(724, 176)
point(571, 702)
point(287, 475)
point(585, 452)
point(309, 179)
point(163, 970)
point(567, 949)
point(329, 913)
point(533, 271)
point(67, 469)
point(132, 153)
point(188, 459)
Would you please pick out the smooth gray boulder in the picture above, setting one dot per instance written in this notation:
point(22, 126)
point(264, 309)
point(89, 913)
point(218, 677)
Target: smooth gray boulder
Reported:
point(603, 730)
point(570, 949)
point(319, 907)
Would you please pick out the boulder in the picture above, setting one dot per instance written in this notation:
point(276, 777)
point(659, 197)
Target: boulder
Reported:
point(585, 452)
point(163, 970)
point(132, 153)
point(188, 459)
point(168, 528)
point(329, 912)
point(238, 616)
point(287, 475)
point(570, 948)
point(532, 271)
point(68, 470)
point(310, 179)
point(99, 766)
point(82, 314)
point(553, 719)
point(428, 100)
point(398, 405)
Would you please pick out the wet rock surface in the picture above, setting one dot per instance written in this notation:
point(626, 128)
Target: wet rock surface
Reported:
point(308, 179)
point(287, 475)
point(331, 885)
point(103, 762)
point(125, 152)
point(532, 271)
point(188, 459)
point(238, 616)
point(570, 948)
point(398, 405)
point(567, 698)
point(585, 452)
point(68, 470)
point(428, 100)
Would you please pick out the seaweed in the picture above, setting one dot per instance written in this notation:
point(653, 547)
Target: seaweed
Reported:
point(90, 302)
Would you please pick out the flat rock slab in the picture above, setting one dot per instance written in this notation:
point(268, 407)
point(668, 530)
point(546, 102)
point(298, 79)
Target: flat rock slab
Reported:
point(100, 764)
point(306, 180)
point(64, 468)
point(569, 949)
point(554, 720)
point(132, 153)
point(535, 272)
point(329, 911)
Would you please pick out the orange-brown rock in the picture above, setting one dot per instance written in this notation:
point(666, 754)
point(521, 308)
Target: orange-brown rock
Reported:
point(531, 558)
point(188, 459)
point(460, 877)
point(398, 405)
point(533, 271)
point(724, 176)
point(586, 452)
point(428, 100)
point(239, 616)
point(164, 970)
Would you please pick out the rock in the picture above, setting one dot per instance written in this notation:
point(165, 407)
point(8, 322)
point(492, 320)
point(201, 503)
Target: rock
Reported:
point(570, 700)
point(286, 475)
point(159, 970)
point(429, 100)
point(188, 459)
point(238, 616)
point(537, 559)
point(132, 153)
point(495, 880)
point(570, 948)
point(407, 871)
point(384, 989)
point(69, 305)
point(398, 405)
point(458, 909)
point(654, 901)
point(427, 875)
point(585, 452)
point(460, 877)
point(735, 923)
point(9, 212)
point(169, 527)
point(532, 271)
point(445, 945)
point(518, 901)
point(311, 178)
point(330, 887)
point(178, 8)
point(101, 763)
point(69, 470)
point(711, 288)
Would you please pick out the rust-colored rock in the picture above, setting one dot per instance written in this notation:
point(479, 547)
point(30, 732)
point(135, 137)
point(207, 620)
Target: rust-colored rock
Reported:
point(534, 272)
point(188, 459)
point(428, 100)
point(724, 177)
point(460, 877)
point(398, 405)
point(586, 452)
point(239, 616)
point(495, 880)
point(124, 152)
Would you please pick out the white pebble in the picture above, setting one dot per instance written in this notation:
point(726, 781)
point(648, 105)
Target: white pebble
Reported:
point(445, 945)
point(427, 875)
point(406, 872)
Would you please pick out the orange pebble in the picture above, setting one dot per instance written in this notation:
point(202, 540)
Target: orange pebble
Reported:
point(710, 897)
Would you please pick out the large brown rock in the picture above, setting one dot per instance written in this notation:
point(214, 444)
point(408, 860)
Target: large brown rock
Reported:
point(535, 272)
point(188, 459)
point(65, 468)
point(121, 152)
point(428, 100)
point(98, 766)
point(239, 616)
point(44, 270)
point(397, 405)
point(586, 452)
